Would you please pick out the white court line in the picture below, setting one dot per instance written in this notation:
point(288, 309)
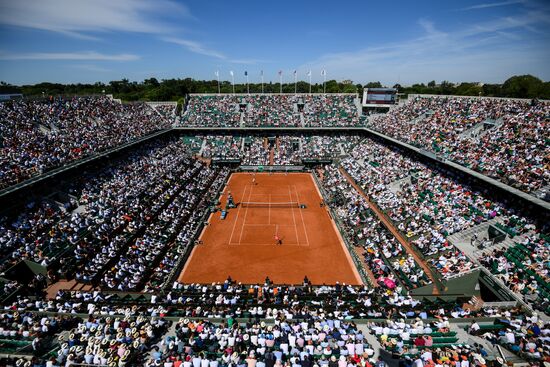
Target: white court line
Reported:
point(237, 218)
point(245, 212)
point(293, 217)
point(261, 224)
point(266, 244)
point(303, 223)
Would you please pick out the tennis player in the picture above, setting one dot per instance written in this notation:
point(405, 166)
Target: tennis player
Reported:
point(278, 239)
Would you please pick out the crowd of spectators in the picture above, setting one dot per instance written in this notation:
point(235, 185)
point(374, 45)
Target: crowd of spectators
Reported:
point(286, 342)
point(257, 151)
point(271, 110)
point(330, 110)
point(39, 135)
point(501, 138)
point(128, 224)
point(523, 267)
point(125, 214)
point(383, 255)
point(526, 336)
point(422, 343)
point(287, 149)
point(221, 146)
point(263, 110)
point(425, 204)
point(212, 111)
point(167, 110)
point(284, 322)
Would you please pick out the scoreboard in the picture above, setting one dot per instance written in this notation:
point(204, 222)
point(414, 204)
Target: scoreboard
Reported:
point(379, 97)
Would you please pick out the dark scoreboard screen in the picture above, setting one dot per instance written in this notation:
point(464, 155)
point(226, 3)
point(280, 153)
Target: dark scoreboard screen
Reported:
point(379, 96)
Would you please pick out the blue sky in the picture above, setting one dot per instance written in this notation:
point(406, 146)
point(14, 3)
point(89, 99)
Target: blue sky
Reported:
point(390, 41)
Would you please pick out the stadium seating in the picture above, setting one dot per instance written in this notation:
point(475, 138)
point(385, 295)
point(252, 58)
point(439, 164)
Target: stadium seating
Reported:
point(105, 258)
point(501, 138)
point(40, 135)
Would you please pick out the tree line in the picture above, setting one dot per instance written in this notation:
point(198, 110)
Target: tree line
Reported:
point(521, 86)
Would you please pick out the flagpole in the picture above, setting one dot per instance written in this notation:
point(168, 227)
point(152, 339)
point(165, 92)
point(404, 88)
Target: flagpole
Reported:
point(218, 76)
point(233, 81)
point(310, 82)
point(247, 88)
point(324, 81)
point(280, 82)
point(295, 80)
point(262, 82)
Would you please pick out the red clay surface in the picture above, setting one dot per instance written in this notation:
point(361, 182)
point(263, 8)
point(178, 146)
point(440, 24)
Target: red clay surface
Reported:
point(243, 246)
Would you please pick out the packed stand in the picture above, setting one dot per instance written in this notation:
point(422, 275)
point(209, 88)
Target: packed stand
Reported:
point(257, 151)
point(268, 110)
point(167, 110)
point(330, 111)
point(222, 147)
point(213, 111)
point(147, 250)
point(286, 342)
point(511, 147)
point(115, 214)
point(383, 255)
point(425, 205)
point(524, 335)
point(422, 343)
point(523, 268)
point(40, 135)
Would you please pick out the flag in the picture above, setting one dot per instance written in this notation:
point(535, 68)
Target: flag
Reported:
point(217, 73)
point(280, 72)
point(309, 73)
point(262, 73)
point(324, 72)
point(231, 72)
point(246, 73)
point(294, 72)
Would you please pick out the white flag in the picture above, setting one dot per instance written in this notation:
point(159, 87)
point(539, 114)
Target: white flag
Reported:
point(217, 73)
point(309, 73)
point(231, 72)
point(324, 72)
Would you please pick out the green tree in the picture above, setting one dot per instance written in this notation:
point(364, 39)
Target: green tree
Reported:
point(446, 88)
point(523, 86)
point(373, 85)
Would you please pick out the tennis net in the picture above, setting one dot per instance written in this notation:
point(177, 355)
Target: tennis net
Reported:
point(254, 204)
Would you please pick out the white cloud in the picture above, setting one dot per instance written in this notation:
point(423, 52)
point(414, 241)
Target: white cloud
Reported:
point(91, 67)
point(195, 47)
point(199, 48)
point(488, 51)
point(493, 5)
point(76, 18)
point(247, 61)
point(83, 55)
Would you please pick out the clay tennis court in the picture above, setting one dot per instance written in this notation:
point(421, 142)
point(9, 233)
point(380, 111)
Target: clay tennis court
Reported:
point(243, 245)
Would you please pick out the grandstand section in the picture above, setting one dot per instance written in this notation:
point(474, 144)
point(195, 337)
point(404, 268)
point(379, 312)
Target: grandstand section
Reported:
point(422, 230)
